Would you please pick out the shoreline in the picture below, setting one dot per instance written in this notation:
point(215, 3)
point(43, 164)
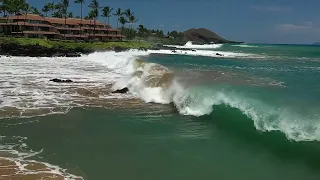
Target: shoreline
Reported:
point(27, 47)
point(14, 49)
point(10, 46)
point(17, 50)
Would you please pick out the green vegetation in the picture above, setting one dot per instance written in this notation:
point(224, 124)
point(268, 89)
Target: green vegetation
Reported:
point(127, 17)
point(74, 45)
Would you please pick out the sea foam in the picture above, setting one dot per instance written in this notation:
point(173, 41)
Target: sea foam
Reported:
point(190, 45)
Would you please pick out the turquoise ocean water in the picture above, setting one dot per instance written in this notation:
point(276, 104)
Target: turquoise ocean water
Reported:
point(253, 113)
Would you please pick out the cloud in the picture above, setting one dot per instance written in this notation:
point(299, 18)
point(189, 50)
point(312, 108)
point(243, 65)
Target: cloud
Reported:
point(292, 27)
point(306, 26)
point(270, 8)
point(309, 23)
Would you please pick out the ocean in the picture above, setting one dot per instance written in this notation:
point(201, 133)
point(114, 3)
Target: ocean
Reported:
point(225, 112)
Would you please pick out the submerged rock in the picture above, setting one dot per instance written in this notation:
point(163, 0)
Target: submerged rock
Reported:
point(61, 80)
point(121, 91)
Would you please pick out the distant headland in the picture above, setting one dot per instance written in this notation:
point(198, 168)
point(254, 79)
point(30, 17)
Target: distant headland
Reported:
point(204, 36)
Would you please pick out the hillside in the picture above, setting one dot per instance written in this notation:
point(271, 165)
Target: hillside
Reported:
point(316, 43)
point(204, 36)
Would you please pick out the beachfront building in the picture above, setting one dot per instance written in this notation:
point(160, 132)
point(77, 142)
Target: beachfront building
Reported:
point(37, 26)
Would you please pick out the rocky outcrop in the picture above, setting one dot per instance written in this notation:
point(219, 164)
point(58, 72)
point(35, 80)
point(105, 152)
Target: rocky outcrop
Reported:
point(204, 36)
point(121, 91)
point(13, 49)
point(119, 49)
point(61, 80)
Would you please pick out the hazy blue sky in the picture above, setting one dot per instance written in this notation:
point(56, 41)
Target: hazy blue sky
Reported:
point(262, 21)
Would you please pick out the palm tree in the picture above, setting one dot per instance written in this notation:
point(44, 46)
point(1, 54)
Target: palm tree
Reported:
point(123, 21)
point(118, 13)
point(95, 12)
point(90, 17)
point(12, 7)
point(81, 2)
point(132, 20)
point(51, 7)
point(35, 11)
point(27, 9)
point(7, 7)
point(46, 9)
point(17, 6)
point(106, 13)
point(59, 10)
point(128, 13)
point(65, 5)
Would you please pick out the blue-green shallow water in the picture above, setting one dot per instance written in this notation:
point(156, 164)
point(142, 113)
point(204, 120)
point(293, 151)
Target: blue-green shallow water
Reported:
point(256, 117)
point(125, 144)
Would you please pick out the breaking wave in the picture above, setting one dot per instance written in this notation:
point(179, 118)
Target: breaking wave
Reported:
point(155, 83)
point(190, 45)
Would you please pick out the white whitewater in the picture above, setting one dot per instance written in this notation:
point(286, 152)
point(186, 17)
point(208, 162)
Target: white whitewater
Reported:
point(190, 45)
point(245, 46)
point(25, 85)
point(17, 162)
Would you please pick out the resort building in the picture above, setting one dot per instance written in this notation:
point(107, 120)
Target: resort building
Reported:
point(36, 26)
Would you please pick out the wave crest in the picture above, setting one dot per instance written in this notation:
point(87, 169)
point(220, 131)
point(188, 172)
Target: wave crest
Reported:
point(156, 83)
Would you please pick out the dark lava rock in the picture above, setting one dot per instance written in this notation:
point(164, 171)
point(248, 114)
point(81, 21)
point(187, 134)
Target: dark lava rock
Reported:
point(143, 49)
point(119, 49)
point(61, 80)
point(73, 55)
point(13, 49)
point(121, 91)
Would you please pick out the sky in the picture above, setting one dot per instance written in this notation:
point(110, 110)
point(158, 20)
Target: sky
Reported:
point(252, 21)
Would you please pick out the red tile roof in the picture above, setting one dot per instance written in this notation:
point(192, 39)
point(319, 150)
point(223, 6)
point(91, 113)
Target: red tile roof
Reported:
point(70, 21)
point(29, 16)
point(35, 32)
point(102, 29)
point(27, 24)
